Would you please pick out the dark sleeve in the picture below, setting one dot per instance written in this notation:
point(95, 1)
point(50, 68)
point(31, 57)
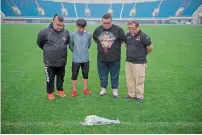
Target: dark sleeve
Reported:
point(89, 41)
point(41, 39)
point(146, 41)
point(125, 40)
point(67, 38)
point(95, 35)
point(71, 43)
point(122, 36)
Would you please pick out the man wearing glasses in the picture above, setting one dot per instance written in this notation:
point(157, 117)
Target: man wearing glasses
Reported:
point(138, 46)
point(53, 41)
point(109, 38)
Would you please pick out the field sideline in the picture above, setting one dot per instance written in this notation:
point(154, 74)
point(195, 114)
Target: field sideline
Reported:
point(173, 87)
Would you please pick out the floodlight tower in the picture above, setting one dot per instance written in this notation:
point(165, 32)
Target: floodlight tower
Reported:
point(181, 9)
point(2, 16)
point(87, 11)
point(15, 8)
point(40, 9)
point(110, 10)
point(156, 11)
point(64, 10)
point(133, 10)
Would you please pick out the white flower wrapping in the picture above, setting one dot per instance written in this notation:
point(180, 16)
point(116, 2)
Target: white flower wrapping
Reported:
point(96, 120)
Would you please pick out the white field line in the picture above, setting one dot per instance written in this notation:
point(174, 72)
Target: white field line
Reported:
point(73, 123)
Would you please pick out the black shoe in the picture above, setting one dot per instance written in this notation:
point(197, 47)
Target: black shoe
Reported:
point(139, 100)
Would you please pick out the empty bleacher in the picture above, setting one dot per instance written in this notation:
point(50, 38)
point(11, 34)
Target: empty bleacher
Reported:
point(168, 8)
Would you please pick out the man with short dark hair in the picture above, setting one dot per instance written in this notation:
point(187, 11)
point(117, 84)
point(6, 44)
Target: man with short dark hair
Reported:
point(80, 42)
point(138, 46)
point(53, 41)
point(109, 38)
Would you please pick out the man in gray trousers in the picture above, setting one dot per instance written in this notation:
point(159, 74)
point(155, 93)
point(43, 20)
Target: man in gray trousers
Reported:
point(53, 41)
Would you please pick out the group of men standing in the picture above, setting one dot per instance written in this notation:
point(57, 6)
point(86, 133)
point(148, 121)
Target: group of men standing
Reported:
point(109, 38)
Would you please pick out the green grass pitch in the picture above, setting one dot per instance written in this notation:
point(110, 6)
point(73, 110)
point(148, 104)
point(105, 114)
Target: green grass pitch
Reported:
point(173, 87)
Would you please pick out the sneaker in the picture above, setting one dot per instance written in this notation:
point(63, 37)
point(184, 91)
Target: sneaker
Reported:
point(103, 92)
point(139, 100)
point(115, 93)
point(73, 93)
point(87, 92)
point(61, 93)
point(51, 96)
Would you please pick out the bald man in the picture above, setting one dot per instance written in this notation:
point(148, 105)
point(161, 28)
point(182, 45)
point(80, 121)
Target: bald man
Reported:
point(53, 41)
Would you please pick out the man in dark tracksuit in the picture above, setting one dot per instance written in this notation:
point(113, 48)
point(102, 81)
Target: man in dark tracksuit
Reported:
point(109, 38)
point(53, 41)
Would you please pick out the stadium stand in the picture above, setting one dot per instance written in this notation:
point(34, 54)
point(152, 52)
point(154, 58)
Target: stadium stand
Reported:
point(120, 10)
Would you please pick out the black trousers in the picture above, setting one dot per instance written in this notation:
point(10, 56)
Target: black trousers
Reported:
point(84, 68)
point(51, 72)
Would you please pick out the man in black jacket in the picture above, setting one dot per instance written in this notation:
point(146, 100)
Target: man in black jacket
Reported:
point(109, 38)
point(53, 41)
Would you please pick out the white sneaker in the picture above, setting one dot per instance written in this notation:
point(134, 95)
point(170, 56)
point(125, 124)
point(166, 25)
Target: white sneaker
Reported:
point(102, 92)
point(115, 93)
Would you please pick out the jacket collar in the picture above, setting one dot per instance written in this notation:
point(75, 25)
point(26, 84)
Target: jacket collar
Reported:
point(51, 26)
